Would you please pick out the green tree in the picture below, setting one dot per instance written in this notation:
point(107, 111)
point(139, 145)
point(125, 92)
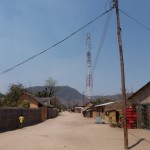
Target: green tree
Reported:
point(97, 101)
point(1, 99)
point(1, 95)
point(12, 98)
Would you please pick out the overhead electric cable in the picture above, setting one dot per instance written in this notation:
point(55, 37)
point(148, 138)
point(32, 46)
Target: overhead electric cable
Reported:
point(81, 28)
point(103, 36)
point(138, 22)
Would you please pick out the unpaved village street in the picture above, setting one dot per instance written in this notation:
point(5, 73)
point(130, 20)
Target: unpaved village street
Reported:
point(71, 131)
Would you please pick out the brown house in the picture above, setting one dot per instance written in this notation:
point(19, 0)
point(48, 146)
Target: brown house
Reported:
point(141, 101)
point(36, 102)
point(88, 110)
point(100, 111)
point(141, 95)
point(138, 100)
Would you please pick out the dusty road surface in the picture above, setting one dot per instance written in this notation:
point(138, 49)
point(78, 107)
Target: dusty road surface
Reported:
point(70, 131)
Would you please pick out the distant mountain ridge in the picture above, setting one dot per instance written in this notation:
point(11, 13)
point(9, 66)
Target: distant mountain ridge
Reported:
point(68, 95)
point(65, 94)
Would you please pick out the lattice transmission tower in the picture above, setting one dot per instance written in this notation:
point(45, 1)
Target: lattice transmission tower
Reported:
point(89, 77)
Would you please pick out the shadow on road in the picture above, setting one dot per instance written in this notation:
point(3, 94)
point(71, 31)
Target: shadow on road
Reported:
point(139, 141)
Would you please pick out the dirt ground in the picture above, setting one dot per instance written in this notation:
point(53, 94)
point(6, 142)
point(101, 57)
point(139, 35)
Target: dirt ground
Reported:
point(71, 131)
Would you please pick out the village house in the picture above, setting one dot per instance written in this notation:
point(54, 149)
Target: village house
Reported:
point(78, 109)
point(143, 94)
point(141, 101)
point(100, 111)
point(88, 110)
point(137, 101)
point(48, 110)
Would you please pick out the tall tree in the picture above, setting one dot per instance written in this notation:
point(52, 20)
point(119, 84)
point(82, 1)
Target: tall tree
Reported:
point(12, 98)
point(50, 88)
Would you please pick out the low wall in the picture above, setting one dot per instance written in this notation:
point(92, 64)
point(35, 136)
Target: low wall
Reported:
point(51, 113)
point(9, 117)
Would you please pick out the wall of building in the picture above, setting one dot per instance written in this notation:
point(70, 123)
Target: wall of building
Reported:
point(111, 117)
point(33, 104)
point(99, 112)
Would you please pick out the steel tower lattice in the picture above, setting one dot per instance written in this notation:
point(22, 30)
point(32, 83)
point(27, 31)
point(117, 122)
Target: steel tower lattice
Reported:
point(89, 78)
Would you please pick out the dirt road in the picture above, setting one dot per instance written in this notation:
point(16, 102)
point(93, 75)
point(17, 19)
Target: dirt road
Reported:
point(70, 131)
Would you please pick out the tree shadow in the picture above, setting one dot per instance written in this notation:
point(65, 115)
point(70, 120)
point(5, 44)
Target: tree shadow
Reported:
point(139, 141)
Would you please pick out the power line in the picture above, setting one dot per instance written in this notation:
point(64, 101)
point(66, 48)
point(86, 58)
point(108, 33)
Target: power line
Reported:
point(138, 22)
point(81, 28)
point(103, 36)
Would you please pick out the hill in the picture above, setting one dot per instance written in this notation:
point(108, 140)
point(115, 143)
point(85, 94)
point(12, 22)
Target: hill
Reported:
point(70, 96)
point(66, 94)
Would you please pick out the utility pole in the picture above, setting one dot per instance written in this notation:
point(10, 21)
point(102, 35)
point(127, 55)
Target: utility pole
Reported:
point(83, 98)
point(122, 75)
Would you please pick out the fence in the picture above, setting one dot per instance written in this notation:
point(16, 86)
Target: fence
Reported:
point(52, 113)
point(9, 117)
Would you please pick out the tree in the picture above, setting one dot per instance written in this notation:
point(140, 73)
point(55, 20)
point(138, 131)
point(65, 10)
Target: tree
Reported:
point(97, 101)
point(12, 98)
point(1, 99)
point(1, 95)
point(50, 88)
point(50, 84)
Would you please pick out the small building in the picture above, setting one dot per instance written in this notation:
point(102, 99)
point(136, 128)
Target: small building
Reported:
point(100, 110)
point(88, 110)
point(48, 110)
point(141, 101)
point(143, 94)
point(112, 112)
point(78, 109)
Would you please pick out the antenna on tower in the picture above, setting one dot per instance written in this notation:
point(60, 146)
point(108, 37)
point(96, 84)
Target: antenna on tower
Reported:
point(89, 78)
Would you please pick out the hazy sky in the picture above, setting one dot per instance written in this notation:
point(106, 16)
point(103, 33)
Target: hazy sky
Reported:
point(27, 27)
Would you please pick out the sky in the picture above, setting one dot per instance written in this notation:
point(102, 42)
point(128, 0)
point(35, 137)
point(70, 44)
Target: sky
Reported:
point(28, 27)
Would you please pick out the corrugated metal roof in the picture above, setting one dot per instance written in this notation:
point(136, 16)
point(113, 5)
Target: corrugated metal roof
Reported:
point(88, 106)
point(104, 104)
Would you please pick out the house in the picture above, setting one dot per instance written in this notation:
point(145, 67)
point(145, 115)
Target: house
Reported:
point(100, 110)
point(141, 101)
point(113, 111)
point(138, 102)
point(78, 109)
point(48, 110)
point(143, 94)
point(88, 110)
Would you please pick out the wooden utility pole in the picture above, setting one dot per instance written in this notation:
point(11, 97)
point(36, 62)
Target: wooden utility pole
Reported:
point(122, 75)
